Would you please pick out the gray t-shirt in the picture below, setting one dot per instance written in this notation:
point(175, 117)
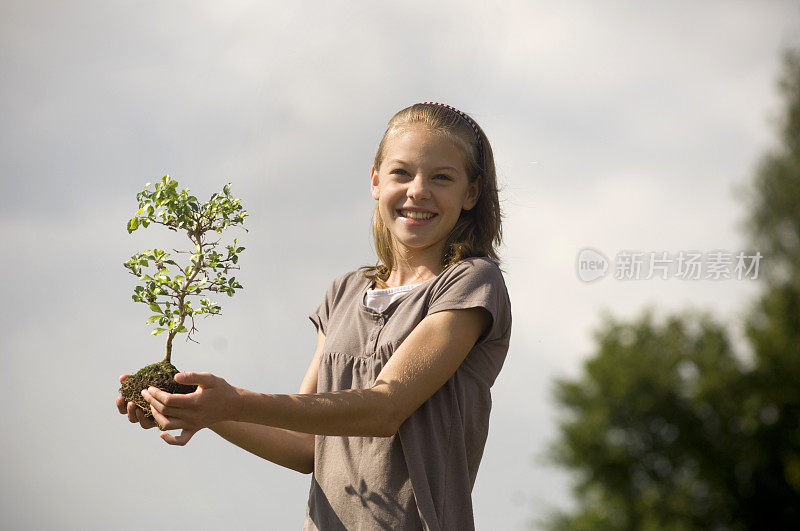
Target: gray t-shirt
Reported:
point(422, 476)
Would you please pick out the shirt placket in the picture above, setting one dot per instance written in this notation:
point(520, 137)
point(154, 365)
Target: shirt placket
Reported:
point(379, 321)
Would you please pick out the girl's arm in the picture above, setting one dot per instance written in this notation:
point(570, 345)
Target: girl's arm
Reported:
point(287, 448)
point(425, 360)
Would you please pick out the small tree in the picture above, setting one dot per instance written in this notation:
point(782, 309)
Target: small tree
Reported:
point(167, 291)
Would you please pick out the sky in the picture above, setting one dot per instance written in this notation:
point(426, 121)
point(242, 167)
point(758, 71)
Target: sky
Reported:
point(625, 126)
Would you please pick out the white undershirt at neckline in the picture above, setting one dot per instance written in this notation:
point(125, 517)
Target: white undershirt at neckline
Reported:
point(380, 299)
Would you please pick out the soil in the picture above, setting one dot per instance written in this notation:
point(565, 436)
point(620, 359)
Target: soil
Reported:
point(159, 375)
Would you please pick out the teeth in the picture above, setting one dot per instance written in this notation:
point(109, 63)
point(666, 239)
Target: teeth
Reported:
point(417, 215)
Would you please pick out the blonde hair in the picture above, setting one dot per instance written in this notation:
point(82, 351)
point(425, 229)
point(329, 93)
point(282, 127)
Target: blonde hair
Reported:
point(478, 231)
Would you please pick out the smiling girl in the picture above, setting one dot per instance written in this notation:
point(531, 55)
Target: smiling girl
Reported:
point(393, 413)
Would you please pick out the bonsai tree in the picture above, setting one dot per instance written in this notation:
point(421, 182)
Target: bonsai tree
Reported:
point(168, 289)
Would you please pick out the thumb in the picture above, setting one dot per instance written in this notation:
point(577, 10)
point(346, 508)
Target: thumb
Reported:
point(203, 379)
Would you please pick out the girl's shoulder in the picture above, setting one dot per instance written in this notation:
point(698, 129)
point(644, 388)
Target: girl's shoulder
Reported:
point(472, 278)
point(479, 263)
point(480, 267)
point(346, 281)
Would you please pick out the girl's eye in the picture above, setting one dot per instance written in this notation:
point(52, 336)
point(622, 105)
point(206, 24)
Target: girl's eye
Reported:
point(441, 176)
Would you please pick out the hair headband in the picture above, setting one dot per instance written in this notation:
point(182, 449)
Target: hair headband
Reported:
point(469, 121)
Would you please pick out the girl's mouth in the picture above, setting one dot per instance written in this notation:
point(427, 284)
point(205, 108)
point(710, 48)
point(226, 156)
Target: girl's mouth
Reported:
point(415, 218)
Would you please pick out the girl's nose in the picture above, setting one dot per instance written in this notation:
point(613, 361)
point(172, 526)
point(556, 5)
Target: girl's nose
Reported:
point(418, 188)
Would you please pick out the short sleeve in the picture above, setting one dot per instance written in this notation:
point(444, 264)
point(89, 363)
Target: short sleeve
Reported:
point(476, 283)
point(320, 316)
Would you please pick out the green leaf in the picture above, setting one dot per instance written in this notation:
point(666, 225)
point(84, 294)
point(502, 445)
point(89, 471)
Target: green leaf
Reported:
point(156, 308)
point(182, 328)
point(157, 331)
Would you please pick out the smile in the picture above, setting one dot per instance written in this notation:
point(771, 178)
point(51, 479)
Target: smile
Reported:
point(419, 216)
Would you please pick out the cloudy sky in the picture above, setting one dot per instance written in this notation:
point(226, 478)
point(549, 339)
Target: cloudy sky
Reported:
point(618, 127)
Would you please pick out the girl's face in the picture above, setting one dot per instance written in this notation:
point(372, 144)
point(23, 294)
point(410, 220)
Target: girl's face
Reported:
point(421, 188)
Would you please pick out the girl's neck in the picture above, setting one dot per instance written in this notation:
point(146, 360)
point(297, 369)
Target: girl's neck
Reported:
point(413, 266)
point(412, 271)
point(404, 277)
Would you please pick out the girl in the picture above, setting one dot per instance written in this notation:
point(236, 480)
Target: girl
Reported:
point(393, 413)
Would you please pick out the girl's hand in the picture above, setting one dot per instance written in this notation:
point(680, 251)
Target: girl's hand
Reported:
point(135, 413)
point(214, 400)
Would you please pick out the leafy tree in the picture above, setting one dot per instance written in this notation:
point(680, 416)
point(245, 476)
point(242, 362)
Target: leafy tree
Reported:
point(652, 427)
point(666, 428)
point(167, 289)
point(773, 197)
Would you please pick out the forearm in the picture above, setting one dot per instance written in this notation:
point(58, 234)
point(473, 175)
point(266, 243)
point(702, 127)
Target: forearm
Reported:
point(353, 412)
point(287, 448)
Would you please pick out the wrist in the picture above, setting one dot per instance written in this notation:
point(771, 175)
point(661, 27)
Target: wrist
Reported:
point(238, 405)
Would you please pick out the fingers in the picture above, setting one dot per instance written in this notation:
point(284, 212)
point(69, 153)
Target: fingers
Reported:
point(131, 410)
point(163, 399)
point(135, 414)
point(160, 419)
point(145, 421)
point(164, 421)
point(121, 405)
point(157, 400)
point(181, 439)
point(203, 379)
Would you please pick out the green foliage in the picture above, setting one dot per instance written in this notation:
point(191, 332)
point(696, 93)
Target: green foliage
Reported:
point(772, 197)
point(666, 428)
point(652, 428)
point(165, 285)
point(179, 210)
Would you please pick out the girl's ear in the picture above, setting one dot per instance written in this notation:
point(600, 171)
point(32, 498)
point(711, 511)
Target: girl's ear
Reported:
point(473, 193)
point(373, 183)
